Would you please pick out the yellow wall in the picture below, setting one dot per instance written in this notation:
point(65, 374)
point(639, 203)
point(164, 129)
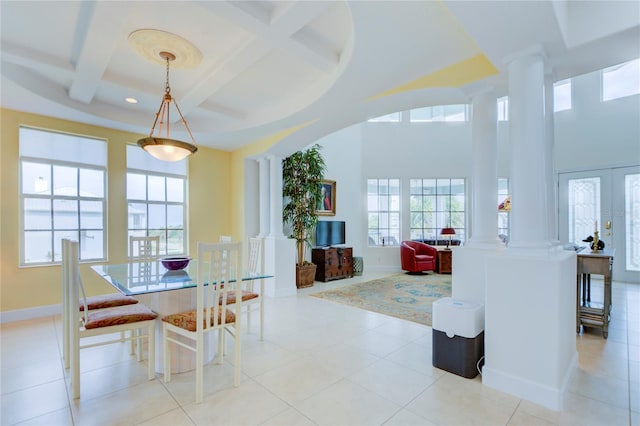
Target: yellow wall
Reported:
point(210, 200)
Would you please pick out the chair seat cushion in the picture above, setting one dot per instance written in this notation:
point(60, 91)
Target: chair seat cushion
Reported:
point(424, 258)
point(110, 300)
point(246, 295)
point(119, 315)
point(187, 320)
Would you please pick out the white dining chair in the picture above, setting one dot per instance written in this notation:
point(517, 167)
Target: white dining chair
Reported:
point(136, 318)
point(144, 248)
point(255, 267)
point(221, 264)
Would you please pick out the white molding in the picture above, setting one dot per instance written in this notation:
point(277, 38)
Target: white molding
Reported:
point(30, 313)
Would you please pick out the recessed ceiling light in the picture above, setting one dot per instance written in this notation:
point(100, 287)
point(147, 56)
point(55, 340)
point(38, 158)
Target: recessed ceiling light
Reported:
point(131, 100)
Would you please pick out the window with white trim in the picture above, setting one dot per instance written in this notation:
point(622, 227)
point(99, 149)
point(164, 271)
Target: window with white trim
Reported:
point(436, 204)
point(383, 211)
point(562, 95)
point(459, 112)
point(503, 108)
point(621, 80)
point(62, 195)
point(156, 200)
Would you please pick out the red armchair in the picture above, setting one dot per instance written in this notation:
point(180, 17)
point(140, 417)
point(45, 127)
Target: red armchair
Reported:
point(417, 257)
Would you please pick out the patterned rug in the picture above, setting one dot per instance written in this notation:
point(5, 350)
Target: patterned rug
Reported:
point(402, 296)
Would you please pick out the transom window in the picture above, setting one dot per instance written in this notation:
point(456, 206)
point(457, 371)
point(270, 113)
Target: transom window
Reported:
point(437, 204)
point(383, 209)
point(440, 113)
point(621, 80)
point(394, 117)
point(156, 200)
point(503, 108)
point(62, 195)
point(562, 95)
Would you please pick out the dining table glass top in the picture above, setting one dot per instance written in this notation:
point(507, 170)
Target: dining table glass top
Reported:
point(135, 278)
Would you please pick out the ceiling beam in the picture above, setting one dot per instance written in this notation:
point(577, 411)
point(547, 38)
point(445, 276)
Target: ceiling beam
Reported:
point(98, 36)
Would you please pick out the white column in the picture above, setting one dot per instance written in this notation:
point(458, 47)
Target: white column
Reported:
point(484, 171)
point(275, 195)
point(280, 251)
point(469, 283)
point(530, 310)
point(265, 191)
point(528, 219)
point(550, 173)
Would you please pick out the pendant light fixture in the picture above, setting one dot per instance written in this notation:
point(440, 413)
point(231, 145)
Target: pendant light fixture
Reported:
point(161, 145)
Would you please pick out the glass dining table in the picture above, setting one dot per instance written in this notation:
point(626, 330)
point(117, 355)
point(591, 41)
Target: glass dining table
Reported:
point(165, 292)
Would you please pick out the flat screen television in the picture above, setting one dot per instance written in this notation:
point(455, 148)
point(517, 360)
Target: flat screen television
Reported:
point(330, 233)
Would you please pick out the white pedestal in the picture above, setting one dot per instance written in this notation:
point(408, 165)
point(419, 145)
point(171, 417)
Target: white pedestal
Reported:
point(469, 282)
point(530, 325)
point(280, 261)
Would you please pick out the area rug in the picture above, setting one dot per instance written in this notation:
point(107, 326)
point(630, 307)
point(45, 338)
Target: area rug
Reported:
point(402, 296)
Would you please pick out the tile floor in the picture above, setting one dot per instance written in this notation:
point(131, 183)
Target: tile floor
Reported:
point(320, 363)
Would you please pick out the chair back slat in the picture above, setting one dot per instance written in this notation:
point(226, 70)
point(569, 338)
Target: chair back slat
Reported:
point(255, 259)
point(144, 248)
point(218, 275)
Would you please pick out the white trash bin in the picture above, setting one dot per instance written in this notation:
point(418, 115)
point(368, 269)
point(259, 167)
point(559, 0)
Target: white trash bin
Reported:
point(458, 336)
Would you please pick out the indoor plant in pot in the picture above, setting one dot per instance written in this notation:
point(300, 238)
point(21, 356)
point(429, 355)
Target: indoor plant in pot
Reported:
point(302, 175)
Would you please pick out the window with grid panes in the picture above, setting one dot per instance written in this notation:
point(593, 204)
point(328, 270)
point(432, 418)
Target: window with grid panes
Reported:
point(503, 210)
point(62, 195)
point(436, 204)
point(156, 200)
point(383, 210)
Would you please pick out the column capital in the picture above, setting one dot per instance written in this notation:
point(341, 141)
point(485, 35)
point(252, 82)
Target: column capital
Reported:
point(532, 51)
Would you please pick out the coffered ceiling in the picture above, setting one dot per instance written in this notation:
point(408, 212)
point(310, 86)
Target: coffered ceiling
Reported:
point(268, 67)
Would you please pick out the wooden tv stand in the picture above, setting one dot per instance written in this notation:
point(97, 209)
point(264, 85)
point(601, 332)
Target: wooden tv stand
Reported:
point(333, 263)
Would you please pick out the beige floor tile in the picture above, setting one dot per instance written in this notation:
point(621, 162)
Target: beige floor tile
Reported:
point(38, 372)
point(343, 359)
point(298, 380)
point(175, 417)
point(265, 356)
point(289, 417)
point(132, 405)
point(33, 402)
point(54, 418)
point(248, 404)
point(605, 389)
point(523, 419)
point(392, 381)
point(579, 410)
point(416, 357)
point(345, 403)
point(377, 343)
point(407, 418)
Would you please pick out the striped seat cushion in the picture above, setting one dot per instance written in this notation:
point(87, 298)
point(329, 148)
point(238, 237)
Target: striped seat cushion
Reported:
point(119, 315)
point(187, 320)
point(110, 300)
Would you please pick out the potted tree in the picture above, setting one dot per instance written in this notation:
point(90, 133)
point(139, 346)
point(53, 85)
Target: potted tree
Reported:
point(302, 175)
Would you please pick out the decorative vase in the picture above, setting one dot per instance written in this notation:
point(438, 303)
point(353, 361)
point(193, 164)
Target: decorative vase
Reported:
point(305, 275)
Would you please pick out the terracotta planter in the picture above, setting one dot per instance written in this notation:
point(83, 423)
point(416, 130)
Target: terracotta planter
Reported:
point(305, 275)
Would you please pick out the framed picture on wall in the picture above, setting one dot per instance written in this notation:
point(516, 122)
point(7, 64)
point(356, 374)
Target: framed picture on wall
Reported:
point(328, 205)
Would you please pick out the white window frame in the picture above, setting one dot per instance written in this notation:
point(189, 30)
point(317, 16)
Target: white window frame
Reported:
point(443, 216)
point(163, 232)
point(557, 88)
point(79, 233)
point(389, 208)
point(632, 68)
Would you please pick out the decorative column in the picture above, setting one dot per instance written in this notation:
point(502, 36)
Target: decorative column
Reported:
point(530, 310)
point(484, 171)
point(265, 191)
point(275, 191)
point(550, 173)
point(280, 251)
point(529, 220)
point(469, 283)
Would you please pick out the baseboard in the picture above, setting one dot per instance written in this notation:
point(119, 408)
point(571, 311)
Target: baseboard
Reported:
point(30, 313)
point(546, 396)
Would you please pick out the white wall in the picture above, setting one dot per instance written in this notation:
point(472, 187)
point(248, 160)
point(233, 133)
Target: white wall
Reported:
point(591, 135)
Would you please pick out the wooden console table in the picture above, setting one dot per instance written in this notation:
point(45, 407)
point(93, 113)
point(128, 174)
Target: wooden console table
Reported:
point(333, 263)
point(588, 313)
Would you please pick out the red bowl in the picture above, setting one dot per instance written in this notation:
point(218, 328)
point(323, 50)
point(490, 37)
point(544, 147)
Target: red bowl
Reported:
point(175, 263)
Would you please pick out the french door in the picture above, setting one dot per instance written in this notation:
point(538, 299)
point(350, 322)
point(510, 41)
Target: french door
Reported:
point(609, 198)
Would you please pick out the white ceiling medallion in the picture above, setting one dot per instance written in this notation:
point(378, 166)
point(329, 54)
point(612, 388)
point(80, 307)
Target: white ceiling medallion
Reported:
point(148, 43)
